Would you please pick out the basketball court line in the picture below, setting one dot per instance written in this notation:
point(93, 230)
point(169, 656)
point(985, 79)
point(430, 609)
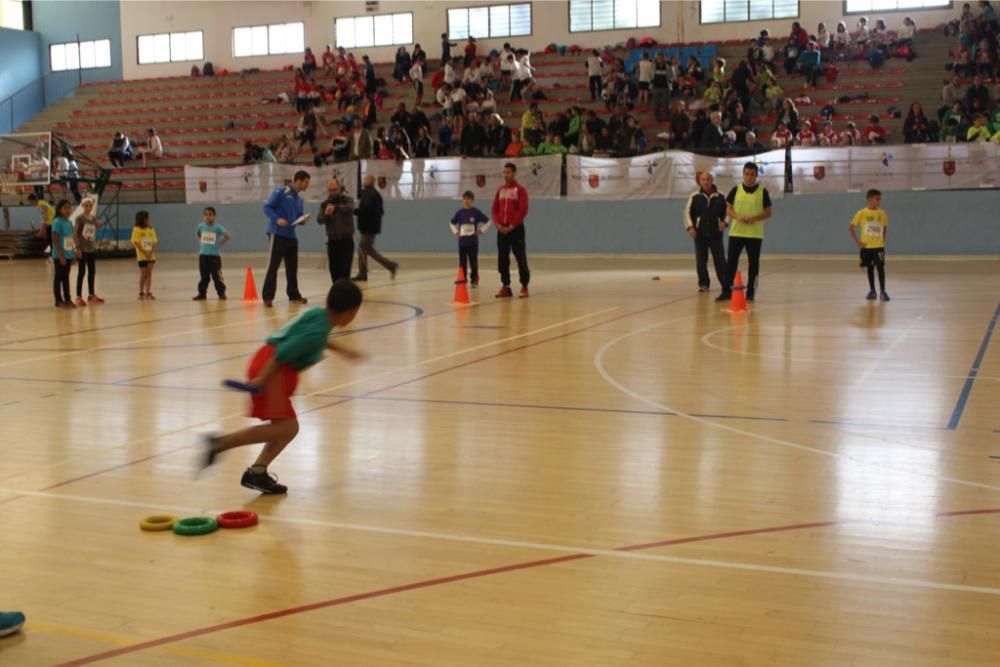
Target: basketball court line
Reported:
point(219, 420)
point(873, 365)
point(963, 396)
point(570, 553)
point(602, 371)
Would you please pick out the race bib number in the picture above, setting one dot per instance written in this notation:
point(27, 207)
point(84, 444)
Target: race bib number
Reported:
point(873, 229)
point(147, 245)
point(208, 238)
point(68, 245)
point(467, 230)
point(89, 232)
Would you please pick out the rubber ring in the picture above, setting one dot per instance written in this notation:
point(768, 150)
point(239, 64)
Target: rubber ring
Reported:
point(239, 519)
point(196, 525)
point(158, 522)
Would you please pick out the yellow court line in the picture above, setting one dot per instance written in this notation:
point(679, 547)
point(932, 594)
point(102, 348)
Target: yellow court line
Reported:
point(225, 658)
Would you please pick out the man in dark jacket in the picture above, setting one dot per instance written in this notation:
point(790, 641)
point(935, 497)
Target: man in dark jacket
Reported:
point(712, 138)
point(473, 139)
point(369, 212)
point(337, 215)
point(704, 220)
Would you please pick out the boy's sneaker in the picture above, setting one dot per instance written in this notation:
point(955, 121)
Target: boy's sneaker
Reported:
point(394, 270)
point(301, 301)
point(200, 297)
point(750, 296)
point(871, 296)
point(475, 283)
point(269, 304)
point(80, 303)
point(703, 288)
point(94, 298)
point(222, 297)
point(523, 293)
point(10, 622)
point(265, 482)
point(725, 296)
point(885, 296)
point(209, 451)
point(504, 293)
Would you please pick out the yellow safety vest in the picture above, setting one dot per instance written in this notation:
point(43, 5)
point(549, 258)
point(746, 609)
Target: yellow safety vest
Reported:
point(748, 205)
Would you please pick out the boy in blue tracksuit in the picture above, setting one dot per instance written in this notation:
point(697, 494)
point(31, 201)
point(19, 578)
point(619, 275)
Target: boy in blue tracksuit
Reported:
point(468, 224)
point(283, 208)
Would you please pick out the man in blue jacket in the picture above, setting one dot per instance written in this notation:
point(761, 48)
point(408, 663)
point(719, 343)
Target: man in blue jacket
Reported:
point(283, 208)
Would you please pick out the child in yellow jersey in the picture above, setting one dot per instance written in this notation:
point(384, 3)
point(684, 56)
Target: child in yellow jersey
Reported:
point(874, 225)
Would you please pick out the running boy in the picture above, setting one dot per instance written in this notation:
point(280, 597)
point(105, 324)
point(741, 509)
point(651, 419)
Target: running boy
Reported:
point(274, 373)
point(468, 224)
point(875, 226)
point(144, 241)
point(211, 237)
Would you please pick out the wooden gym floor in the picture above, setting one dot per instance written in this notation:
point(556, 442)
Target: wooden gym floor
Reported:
point(613, 472)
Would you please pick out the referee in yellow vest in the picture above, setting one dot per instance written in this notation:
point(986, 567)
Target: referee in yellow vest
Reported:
point(748, 206)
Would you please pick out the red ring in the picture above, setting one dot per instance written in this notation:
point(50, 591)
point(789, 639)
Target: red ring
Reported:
point(239, 519)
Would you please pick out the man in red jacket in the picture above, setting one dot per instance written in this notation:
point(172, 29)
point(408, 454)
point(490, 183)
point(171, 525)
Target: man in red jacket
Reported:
point(510, 206)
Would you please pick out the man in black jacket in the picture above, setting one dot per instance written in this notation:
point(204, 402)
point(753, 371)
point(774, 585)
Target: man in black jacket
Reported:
point(473, 139)
point(704, 220)
point(369, 212)
point(337, 215)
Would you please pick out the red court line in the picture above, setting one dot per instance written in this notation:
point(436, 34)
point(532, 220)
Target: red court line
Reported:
point(440, 581)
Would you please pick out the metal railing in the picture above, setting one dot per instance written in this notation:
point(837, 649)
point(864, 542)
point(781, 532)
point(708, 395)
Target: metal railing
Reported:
point(33, 97)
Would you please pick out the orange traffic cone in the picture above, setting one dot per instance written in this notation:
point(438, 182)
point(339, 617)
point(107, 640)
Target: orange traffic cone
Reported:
point(461, 290)
point(249, 287)
point(739, 301)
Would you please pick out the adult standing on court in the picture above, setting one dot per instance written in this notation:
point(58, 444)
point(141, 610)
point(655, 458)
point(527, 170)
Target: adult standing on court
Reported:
point(748, 206)
point(705, 220)
point(369, 212)
point(337, 215)
point(283, 208)
point(510, 207)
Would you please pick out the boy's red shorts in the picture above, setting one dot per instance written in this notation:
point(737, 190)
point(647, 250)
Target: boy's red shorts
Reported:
point(275, 401)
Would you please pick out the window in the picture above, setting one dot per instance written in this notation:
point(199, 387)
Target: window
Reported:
point(728, 11)
point(592, 15)
point(865, 6)
point(80, 55)
point(269, 40)
point(381, 30)
point(484, 22)
point(170, 47)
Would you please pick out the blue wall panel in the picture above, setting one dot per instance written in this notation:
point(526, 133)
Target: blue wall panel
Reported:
point(20, 64)
point(921, 223)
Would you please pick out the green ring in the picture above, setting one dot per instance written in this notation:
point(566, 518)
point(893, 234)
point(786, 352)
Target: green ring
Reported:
point(195, 525)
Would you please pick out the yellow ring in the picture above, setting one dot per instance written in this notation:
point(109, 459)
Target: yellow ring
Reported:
point(158, 522)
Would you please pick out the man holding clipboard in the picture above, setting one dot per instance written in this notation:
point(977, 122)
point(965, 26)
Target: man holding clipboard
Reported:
point(284, 210)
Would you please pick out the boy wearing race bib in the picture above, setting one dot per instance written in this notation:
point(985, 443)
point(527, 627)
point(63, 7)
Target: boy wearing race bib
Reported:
point(211, 238)
point(144, 241)
point(86, 246)
point(874, 225)
point(63, 253)
point(468, 224)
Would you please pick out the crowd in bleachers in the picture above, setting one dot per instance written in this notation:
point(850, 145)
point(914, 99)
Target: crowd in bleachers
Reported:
point(968, 111)
point(645, 97)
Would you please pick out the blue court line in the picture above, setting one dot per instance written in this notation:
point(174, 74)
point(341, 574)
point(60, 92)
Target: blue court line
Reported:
point(956, 414)
point(538, 406)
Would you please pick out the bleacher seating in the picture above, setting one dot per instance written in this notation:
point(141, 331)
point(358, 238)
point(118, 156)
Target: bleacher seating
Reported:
point(191, 114)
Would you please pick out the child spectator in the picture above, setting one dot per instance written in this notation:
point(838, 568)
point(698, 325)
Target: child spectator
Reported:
point(417, 78)
point(806, 137)
point(851, 135)
point(828, 137)
point(468, 224)
point(211, 238)
point(120, 150)
point(978, 133)
point(875, 225)
point(144, 241)
point(962, 63)
point(85, 235)
point(782, 136)
point(874, 133)
point(63, 253)
point(152, 148)
point(446, 46)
